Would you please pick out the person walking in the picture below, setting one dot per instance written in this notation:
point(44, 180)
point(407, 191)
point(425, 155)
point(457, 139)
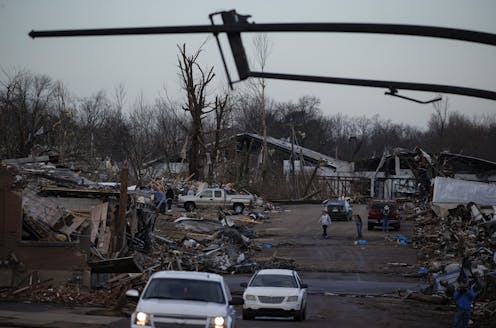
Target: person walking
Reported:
point(386, 211)
point(159, 198)
point(325, 221)
point(463, 297)
point(359, 225)
point(169, 195)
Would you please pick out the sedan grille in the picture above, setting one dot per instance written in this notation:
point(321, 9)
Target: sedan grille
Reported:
point(271, 299)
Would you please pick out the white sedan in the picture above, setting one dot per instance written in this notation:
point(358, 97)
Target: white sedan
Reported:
point(275, 292)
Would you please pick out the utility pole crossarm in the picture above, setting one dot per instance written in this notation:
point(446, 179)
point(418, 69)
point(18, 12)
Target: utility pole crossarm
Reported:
point(235, 24)
point(393, 29)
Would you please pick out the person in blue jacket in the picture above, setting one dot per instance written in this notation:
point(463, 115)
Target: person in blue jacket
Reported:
point(463, 296)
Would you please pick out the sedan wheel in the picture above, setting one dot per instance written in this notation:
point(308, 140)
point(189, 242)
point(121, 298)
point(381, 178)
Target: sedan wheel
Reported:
point(301, 314)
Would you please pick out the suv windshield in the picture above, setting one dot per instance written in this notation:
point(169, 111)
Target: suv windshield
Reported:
point(379, 206)
point(274, 280)
point(185, 289)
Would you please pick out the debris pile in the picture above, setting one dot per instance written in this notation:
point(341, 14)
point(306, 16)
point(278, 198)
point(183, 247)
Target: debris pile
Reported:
point(61, 208)
point(460, 243)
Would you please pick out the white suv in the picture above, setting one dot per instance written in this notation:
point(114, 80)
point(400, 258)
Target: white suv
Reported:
point(275, 292)
point(189, 299)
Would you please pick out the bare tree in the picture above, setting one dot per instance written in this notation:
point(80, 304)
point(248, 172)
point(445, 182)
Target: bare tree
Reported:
point(263, 47)
point(221, 110)
point(195, 81)
point(141, 146)
point(64, 129)
point(92, 115)
point(171, 128)
point(439, 120)
point(26, 103)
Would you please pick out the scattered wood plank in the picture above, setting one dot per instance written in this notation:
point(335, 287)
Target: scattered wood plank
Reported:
point(76, 223)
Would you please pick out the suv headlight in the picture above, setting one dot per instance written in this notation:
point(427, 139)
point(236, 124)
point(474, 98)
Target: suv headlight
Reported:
point(251, 298)
point(142, 319)
point(292, 298)
point(218, 322)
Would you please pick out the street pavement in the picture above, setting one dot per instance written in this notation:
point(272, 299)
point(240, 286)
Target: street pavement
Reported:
point(24, 314)
point(18, 314)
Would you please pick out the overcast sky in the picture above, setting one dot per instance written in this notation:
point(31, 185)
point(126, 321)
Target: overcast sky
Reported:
point(148, 64)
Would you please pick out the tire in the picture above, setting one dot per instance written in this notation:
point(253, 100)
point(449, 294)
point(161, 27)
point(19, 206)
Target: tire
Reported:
point(370, 227)
point(238, 208)
point(300, 315)
point(247, 315)
point(189, 207)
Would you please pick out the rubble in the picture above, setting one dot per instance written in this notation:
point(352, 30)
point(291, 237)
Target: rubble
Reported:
point(59, 207)
point(461, 242)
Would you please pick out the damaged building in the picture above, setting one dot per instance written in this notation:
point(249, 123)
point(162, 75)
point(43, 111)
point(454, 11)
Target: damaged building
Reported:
point(59, 229)
point(400, 173)
point(406, 173)
point(46, 214)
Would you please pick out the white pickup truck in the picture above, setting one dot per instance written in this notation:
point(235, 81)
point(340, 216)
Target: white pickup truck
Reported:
point(216, 197)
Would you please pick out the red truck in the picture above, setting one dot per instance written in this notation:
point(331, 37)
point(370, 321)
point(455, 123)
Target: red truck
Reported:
point(376, 213)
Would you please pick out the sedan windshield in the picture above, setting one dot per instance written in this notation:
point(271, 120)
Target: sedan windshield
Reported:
point(185, 289)
point(274, 280)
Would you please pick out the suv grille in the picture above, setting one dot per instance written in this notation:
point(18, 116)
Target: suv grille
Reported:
point(162, 321)
point(176, 325)
point(271, 299)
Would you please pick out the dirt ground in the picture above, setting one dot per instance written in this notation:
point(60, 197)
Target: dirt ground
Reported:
point(295, 233)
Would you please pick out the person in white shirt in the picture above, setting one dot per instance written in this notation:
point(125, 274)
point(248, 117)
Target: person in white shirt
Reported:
point(325, 221)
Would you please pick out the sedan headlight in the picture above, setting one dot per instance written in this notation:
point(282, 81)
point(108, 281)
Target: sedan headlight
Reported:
point(292, 299)
point(251, 298)
point(218, 322)
point(142, 319)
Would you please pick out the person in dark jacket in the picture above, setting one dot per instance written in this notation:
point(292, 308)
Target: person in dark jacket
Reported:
point(359, 225)
point(463, 297)
point(169, 196)
point(159, 198)
point(386, 212)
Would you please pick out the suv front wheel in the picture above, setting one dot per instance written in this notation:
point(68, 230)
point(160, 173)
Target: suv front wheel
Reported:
point(247, 315)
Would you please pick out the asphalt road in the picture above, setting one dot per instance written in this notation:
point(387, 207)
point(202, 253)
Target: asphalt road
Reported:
point(349, 285)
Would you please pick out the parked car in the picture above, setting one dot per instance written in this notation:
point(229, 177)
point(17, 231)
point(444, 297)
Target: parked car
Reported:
point(375, 214)
point(216, 197)
point(275, 292)
point(339, 209)
point(173, 298)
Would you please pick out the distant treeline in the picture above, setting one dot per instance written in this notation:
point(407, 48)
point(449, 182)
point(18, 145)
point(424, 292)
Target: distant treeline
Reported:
point(38, 115)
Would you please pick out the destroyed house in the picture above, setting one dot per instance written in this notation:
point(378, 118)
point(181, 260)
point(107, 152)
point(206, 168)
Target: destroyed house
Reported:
point(52, 227)
point(405, 172)
point(282, 152)
point(322, 175)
